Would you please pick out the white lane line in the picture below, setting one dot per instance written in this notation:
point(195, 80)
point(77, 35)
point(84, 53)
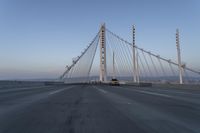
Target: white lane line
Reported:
point(119, 100)
point(186, 99)
point(180, 92)
point(148, 92)
point(57, 91)
point(54, 92)
point(99, 89)
point(102, 91)
point(153, 93)
point(24, 88)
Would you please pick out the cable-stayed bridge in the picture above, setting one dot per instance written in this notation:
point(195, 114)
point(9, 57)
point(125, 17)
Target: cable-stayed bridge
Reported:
point(73, 107)
point(109, 55)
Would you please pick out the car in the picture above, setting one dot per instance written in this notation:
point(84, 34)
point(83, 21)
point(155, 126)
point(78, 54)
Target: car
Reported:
point(114, 82)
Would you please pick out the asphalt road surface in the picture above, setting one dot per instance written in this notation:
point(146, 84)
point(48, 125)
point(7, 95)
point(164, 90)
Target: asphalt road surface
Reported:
point(99, 109)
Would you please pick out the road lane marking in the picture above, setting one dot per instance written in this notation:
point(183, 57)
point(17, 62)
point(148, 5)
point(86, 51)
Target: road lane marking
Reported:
point(24, 88)
point(145, 113)
point(102, 91)
point(153, 93)
point(180, 92)
point(148, 92)
point(54, 92)
point(57, 91)
point(111, 94)
point(99, 89)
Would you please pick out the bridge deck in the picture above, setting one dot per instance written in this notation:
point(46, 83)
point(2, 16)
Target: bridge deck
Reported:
point(98, 109)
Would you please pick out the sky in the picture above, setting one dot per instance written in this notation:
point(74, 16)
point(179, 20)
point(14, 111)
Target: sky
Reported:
point(38, 38)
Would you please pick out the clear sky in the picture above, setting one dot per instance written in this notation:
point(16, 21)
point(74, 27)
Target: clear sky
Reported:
point(39, 37)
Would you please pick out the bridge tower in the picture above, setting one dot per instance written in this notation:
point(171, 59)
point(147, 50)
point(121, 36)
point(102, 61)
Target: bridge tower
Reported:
point(103, 71)
point(179, 57)
point(135, 60)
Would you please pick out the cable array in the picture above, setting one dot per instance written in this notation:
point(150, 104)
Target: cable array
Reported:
point(151, 67)
point(80, 69)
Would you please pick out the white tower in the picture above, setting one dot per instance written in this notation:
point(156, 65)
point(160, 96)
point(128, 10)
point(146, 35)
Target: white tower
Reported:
point(179, 57)
point(135, 60)
point(103, 71)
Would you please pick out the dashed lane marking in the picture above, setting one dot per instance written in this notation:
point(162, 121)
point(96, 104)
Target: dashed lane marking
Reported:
point(57, 91)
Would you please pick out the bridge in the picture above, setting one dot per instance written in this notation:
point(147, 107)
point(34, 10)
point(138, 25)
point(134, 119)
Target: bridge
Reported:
point(85, 103)
point(110, 56)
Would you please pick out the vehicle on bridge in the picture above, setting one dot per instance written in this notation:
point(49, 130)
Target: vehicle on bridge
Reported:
point(114, 82)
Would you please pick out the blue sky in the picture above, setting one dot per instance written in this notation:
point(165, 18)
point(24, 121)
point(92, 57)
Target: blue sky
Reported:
point(39, 37)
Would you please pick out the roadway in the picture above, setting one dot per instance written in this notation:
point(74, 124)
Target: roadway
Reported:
point(99, 109)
